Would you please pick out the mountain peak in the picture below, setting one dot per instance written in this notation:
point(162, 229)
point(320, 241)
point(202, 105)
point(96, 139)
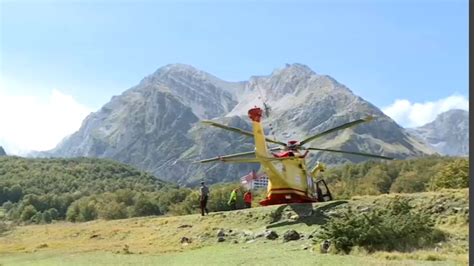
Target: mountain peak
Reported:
point(298, 66)
point(2, 151)
point(294, 69)
point(207, 95)
point(178, 69)
point(178, 66)
point(448, 133)
point(453, 112)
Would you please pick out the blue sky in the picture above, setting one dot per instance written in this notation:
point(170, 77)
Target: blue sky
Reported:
point(384, 51)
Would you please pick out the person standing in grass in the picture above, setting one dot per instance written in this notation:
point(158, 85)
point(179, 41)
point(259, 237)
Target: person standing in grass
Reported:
point(248, 199)
point(233, 199)
point(204, 196)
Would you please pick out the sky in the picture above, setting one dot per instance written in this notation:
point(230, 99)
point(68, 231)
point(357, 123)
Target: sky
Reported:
point(61, 60)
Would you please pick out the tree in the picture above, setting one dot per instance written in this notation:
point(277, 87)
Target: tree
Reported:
point(82, 210)
point(46, 217)
point(7, 205)
point(28, 212)
point(72, 213)
point(54, 213)
point(454, 175)
point(409, 182)
point(112, 210)
point(88, 212)
point(144, 207)
point(15, 193)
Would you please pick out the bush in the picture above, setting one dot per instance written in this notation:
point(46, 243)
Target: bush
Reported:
point(54, 213)
point(409, 182)
point(7, 206)
point(144, 207)
point(28, 212)
point(46, 217)
point(37, 218)
point(113, 210)
point(82, 210)
point(454, 175)
point(4, 227)
point(394, 227)
point(189, 205)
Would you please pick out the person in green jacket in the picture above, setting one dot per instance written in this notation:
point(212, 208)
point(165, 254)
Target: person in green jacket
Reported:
point(233, 199)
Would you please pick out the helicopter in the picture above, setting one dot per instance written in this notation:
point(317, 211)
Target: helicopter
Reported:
point(289, 180)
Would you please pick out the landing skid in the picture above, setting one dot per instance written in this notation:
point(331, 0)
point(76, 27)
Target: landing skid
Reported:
point(286, 198)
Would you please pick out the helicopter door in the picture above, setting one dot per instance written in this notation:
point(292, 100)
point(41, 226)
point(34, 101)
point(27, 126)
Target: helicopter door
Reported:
point(322, 191)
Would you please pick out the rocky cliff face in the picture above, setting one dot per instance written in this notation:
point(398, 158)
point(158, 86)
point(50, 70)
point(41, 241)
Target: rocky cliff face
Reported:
point(154, 125)
point(2, 152)
point(448, 133)
point(208, 96)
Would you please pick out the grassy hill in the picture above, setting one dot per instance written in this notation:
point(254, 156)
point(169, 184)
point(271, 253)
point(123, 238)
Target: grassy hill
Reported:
point(84, 189)
point(74, 211)
point(193, 240)
point(42, 190)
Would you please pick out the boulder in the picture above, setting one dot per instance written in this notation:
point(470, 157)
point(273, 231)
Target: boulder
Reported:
point(324, 248)
point(271, 235)
point(290, 235)
point(185, 240)
point(221, 233)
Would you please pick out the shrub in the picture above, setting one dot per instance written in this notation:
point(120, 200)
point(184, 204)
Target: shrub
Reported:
point(454, 175)
point(37, 218)
point(82, 210)
point(113, 210)
point(54, 213)
point(189, 205)
point(409, 182)
point(4, 227)
point(88, 212)
point(46, 217)
point(28, 212)
point(395, 226)
point(72, 213)
point(144, 207)
point(7, 206)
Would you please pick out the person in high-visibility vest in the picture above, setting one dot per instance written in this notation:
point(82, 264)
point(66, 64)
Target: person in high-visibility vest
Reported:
point(233, 199)
point(248, 199)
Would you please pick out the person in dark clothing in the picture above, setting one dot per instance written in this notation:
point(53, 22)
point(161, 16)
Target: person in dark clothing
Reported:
point(204, 196)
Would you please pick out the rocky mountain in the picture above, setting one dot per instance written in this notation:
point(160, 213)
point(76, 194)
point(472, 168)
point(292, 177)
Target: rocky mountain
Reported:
point(2, 152)
point(448, 133)
point(154, 125)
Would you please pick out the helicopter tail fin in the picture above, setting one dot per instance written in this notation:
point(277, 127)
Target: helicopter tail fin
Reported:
point(255, 114)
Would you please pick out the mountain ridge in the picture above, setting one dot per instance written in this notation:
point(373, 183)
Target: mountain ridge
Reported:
point(448, 133)
point(154, 125)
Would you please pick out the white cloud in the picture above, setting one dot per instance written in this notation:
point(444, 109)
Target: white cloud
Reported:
point(409, 114)
point(37, 123)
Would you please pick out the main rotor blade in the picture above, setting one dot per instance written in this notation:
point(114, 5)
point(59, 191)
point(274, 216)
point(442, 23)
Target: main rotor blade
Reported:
point(238, 130)
point(352, 152)
point(220, 158)
point(343, 126)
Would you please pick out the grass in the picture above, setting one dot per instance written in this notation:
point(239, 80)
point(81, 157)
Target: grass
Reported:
point(223, 254)
point(157, 240)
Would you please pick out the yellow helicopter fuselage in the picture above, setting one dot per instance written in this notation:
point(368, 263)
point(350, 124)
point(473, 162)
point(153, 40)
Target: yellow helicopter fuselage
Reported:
point(288, 178)
point(289, 181)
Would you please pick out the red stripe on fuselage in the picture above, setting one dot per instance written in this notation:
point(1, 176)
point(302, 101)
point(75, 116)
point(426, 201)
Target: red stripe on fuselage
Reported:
point(288, 189)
